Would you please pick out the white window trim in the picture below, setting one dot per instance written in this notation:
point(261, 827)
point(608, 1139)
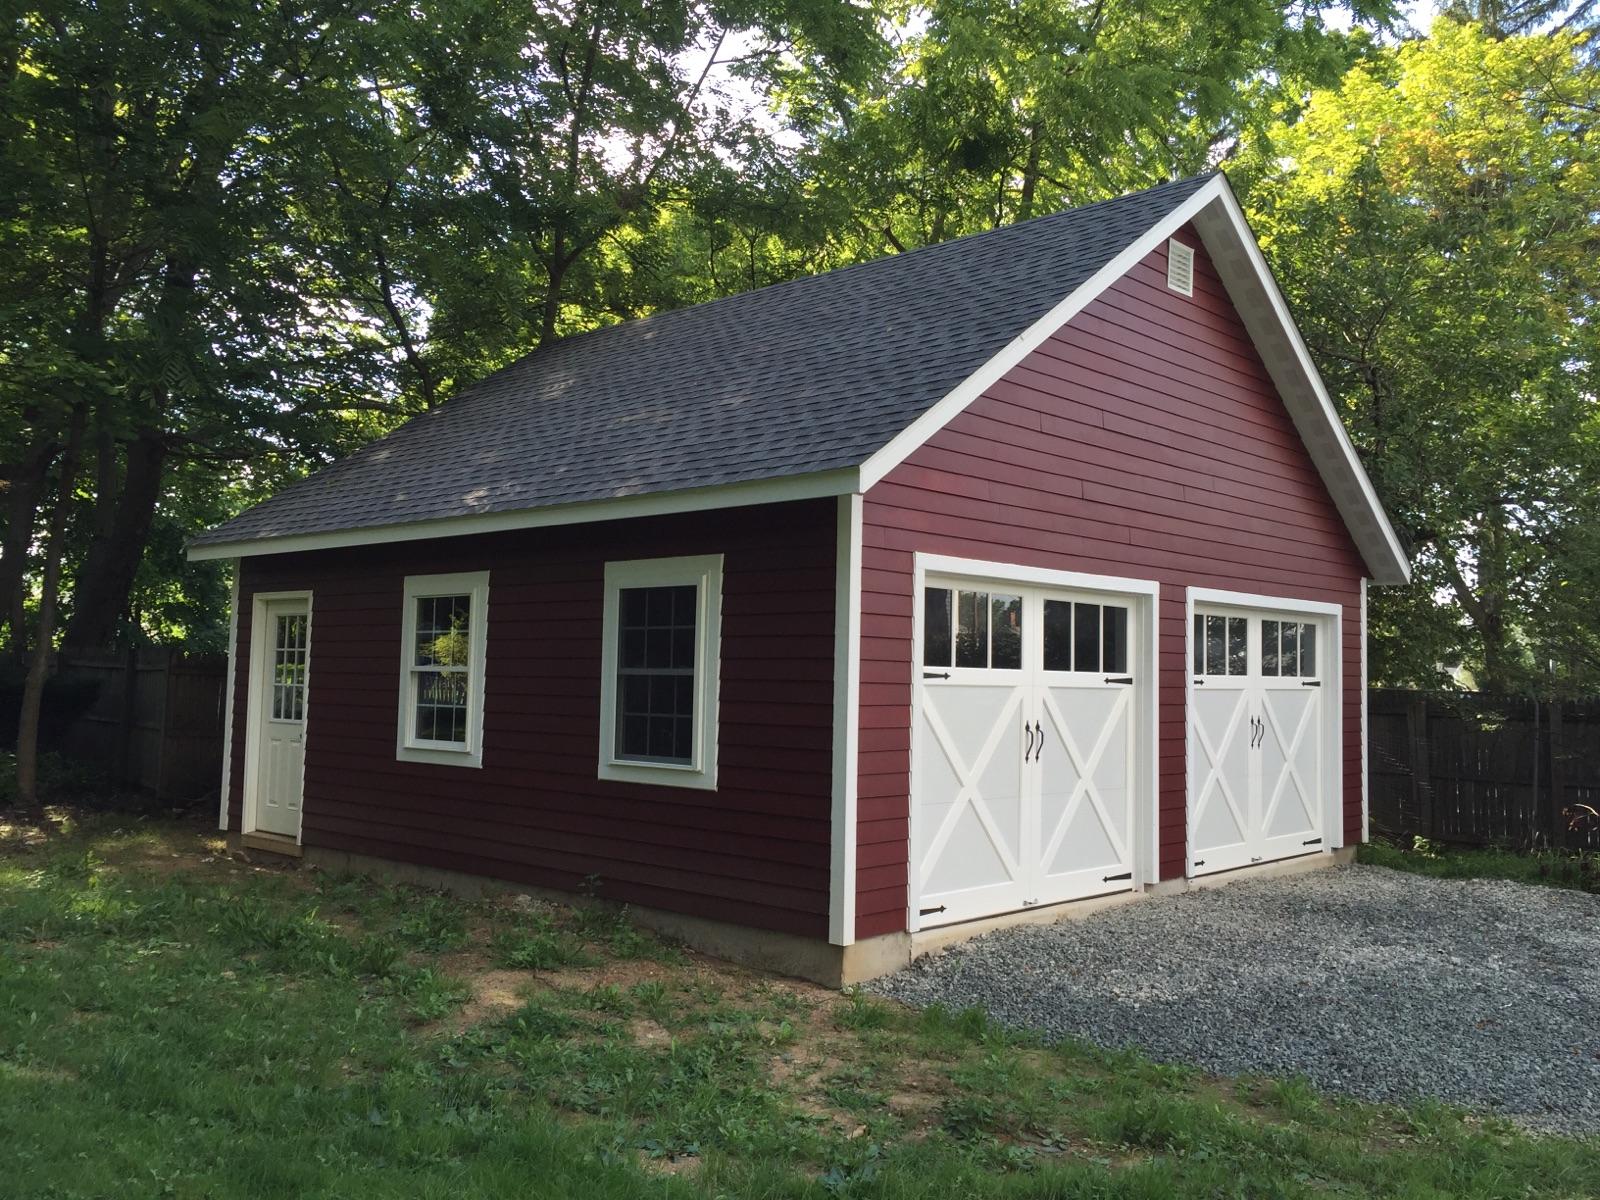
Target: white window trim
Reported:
point(418, 750)
point(705, 572)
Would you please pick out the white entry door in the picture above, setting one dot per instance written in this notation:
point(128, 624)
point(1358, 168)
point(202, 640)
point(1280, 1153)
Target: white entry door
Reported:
point(280, 702)
point(1256, 734)
point(1024, 769)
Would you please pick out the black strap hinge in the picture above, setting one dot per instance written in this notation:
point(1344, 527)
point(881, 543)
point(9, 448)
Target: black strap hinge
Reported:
point(1114, 878)
point(924, 912)
point(1119, 679)
point(936, 675)
point(1311, 683)
point(1312, 842)
point(1199, 862)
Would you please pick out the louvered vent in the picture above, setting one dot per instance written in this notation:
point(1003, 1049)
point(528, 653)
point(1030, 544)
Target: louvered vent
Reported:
point(1180, 267)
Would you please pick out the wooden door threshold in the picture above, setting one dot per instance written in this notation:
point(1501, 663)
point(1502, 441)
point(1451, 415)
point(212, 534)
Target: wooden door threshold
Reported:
point(272, 843)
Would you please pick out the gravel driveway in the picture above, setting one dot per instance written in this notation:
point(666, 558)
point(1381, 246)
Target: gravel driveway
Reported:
point(1370, 982)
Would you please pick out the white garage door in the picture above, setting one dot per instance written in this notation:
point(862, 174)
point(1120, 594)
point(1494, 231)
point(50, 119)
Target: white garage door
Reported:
point(1023, 771)
point(1256, 733)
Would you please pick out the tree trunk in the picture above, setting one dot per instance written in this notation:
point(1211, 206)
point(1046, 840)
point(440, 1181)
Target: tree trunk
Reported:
point(22, 491)
point(50, 585)
point(100, 596)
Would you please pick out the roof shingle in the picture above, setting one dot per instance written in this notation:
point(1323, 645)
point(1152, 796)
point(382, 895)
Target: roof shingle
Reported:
point(801, 377)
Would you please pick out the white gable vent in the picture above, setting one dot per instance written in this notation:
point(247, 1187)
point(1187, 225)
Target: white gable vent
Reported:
point(1180, 267)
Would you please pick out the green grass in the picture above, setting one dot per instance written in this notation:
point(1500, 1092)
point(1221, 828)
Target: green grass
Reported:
point(176, 1024)
point(1551, 868)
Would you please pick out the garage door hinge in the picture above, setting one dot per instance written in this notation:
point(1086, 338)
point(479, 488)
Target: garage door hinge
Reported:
point(1119, 678)
point(1199, 862)
point(936, 675)
point(1311, 683)
point(1312, 842)
point(925, 912)
point(1112, 878)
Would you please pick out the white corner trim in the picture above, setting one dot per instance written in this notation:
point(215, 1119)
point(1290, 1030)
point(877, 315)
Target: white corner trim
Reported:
point(846, 720)
point(704, 572)
point(407, 747)
point(905, 443)
point(227, 699)
point(1366, 814)
point(260, 647)
point(731, 495)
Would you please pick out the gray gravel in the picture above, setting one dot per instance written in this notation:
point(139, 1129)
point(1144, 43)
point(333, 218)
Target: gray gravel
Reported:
point(1369, 982)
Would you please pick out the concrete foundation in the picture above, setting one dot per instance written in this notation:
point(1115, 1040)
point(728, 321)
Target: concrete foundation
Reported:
point(783, 953)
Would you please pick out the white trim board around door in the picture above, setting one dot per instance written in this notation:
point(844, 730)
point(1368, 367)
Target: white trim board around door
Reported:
point(260, 648)
point(1142, 598)
point(1330, 617)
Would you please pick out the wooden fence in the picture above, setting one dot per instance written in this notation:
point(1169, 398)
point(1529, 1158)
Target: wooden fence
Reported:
point(155, 722)
point(1482, 770)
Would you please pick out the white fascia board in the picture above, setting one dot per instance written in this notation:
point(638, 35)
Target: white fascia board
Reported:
point(904, 444)
point(732, 495)
point(1255, 293)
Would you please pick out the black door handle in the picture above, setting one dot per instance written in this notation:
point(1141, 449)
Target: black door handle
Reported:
point(1038, 754)
point(1028, 733)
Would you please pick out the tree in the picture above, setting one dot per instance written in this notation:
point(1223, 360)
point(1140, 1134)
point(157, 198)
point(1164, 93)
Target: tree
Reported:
point(996, 113)
point(1438, 234)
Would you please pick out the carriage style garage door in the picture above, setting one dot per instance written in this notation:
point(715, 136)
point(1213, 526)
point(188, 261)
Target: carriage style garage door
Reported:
point(1024, 747)
point(1258, 759)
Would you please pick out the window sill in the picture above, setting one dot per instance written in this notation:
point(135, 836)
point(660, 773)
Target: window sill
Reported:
point(659, 775)
point(439, 758)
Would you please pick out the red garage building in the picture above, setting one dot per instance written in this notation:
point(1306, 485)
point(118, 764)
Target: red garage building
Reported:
point(833, 620)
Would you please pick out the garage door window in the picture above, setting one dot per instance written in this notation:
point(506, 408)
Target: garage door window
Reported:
point(1289, 649)
point(1221, 645)
point(1085, 637)
point(971, 629)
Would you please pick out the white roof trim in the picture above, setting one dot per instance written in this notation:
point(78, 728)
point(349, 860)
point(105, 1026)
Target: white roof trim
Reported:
point(651, 504)
point(1232, 246)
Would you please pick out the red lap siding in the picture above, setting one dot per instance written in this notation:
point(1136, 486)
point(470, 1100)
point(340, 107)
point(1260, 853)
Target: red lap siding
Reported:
point(1144, 439)
point(755, 851)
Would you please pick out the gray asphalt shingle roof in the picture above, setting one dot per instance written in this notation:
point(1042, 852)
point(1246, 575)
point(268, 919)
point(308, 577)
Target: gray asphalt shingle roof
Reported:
point(800, 377)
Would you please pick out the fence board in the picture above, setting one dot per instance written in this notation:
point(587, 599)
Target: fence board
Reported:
point(1484, 770)
point(155, 721)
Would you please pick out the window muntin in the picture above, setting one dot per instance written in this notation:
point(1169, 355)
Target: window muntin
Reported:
point(1289, 649)
point(1085, 637)
point(656, 673)
point(289, 646)
point(972, 628)
point(1221, 645)
point(658, 704)
point(441, 663)
point(442, 668)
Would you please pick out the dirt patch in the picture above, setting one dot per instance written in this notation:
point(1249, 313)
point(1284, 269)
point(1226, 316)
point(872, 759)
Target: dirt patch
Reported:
point(621, 975)
point(648, 1033)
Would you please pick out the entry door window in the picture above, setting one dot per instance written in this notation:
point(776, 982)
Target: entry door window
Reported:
point(289, 668)
point(972, 629)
